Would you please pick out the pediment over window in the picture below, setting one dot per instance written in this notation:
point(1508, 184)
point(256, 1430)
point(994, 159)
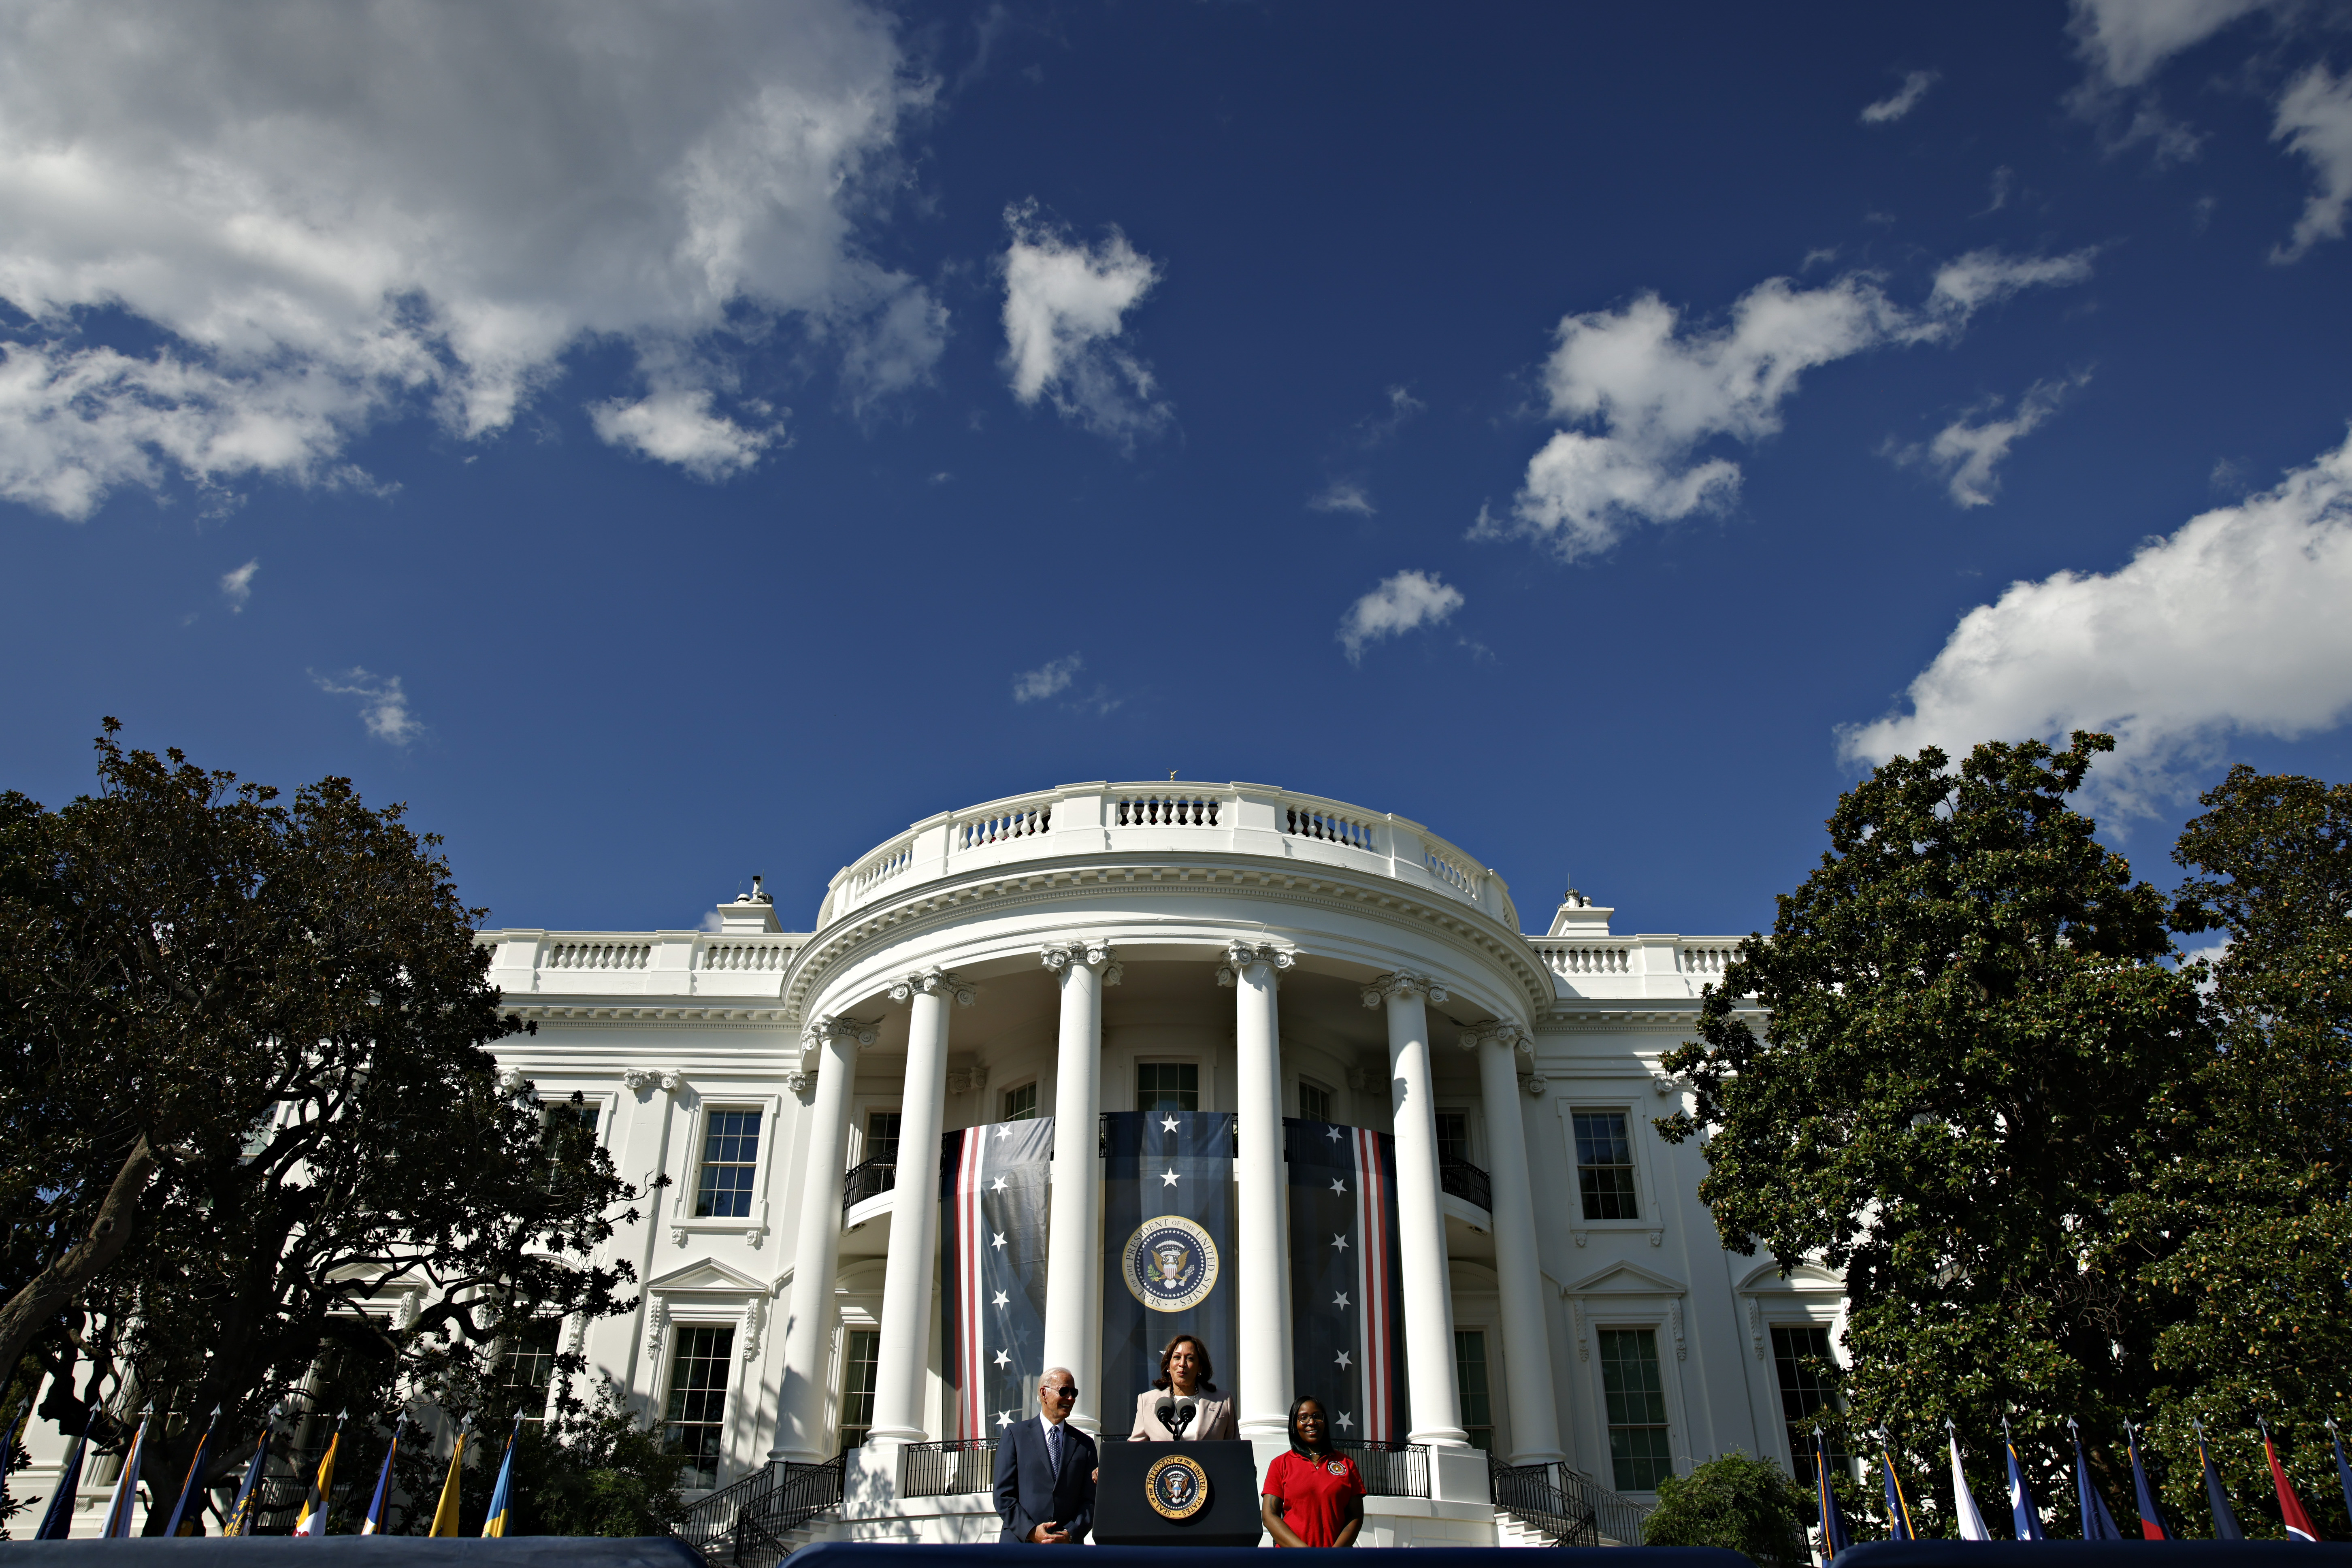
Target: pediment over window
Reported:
point(1625, 1279)
point(1807, 1278)
point(707, 1274)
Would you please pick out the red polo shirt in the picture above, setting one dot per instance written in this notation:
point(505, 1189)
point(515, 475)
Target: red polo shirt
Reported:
point(1314, 1493)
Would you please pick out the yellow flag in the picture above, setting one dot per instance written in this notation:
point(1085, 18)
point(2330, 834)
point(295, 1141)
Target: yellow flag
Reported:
point(445, 1518)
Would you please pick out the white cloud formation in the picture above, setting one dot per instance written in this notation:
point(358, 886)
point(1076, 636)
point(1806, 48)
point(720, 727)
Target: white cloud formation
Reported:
point(384, 706)
point(1066, 305)
point(1647, 391)
point(2125, 40)
point(1901, 102)
point(336, 215)
point(676, 426)
point(237, 586)
point(1400, 603)
point(1343, 495)
point(2315, 119)
point(2235, 624)
point(1966, 454)
point(1048, 680)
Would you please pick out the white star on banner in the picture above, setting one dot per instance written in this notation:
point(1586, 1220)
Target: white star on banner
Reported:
point(1341, 1360)
point(999, 1186)
point(1003, 1419)
point(1332, 1133)
point(1005, 1130)
point(1340, 1300)
point(1169, 1125)
point(1000, 1301)
point(1346, 1423)
point(1004, 1358)
point(1340, 1243)
point(1338, 1186)
point(999, 1241)
point(1167, 1178)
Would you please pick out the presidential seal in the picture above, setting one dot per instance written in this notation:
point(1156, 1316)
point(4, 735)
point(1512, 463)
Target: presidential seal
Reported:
point(1176, 1487)
point(1170, 1263)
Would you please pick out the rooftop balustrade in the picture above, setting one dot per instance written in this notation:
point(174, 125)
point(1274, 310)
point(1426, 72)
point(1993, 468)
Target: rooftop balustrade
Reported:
point(667, 963)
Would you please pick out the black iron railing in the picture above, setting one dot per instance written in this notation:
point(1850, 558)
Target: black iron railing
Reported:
point(1536, 1494)
point(1466, 1182)
point(956, 1469)
point(744, 1525)
point(870, 1180)
point(1390, 1469)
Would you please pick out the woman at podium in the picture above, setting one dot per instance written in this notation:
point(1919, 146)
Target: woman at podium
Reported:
point(1184, 1374)
point(1312, 1496)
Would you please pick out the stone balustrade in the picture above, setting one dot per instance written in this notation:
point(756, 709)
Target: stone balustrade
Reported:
point(674, 964)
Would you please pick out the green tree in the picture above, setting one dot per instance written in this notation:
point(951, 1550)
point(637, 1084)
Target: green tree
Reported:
point(1733, 1502)
point(1973, 1046)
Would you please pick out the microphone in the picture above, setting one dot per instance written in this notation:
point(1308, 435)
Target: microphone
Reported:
point(1185, 1411)
point(1166, 1411)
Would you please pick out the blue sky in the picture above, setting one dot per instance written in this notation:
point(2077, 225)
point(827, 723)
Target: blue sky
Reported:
point(663, 443)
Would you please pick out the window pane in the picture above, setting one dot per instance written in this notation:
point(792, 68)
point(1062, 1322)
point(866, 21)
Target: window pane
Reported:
point(1020, 1104)
point(1314, 1102)
point(730, 1153)
point(529, 1367)
point(1470, 1377)
point(863, 1350)
point(1454, 1135)
point(1639, 1447)
point(1604, 1166)
point(1171, 1086)
point(698, 1400)
point(882, 1135)
point(562, 1129)
point(1795, 1350)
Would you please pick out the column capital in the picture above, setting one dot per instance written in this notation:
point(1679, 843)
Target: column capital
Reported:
point(1508, 1036)
point(1241, 954)
point(801, 1085)
point(933, 981)
point(642, 1081)
point(836, 1027)
point(1401, 983)
point(1090, 953)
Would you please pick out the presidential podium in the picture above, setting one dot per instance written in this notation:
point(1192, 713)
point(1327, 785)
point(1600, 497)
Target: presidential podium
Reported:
point(1176, 1494)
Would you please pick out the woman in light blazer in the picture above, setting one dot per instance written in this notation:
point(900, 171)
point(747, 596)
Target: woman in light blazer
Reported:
point(1184, 1371)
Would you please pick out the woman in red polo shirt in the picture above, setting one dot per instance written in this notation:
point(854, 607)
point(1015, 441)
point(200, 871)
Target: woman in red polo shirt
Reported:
point(1313, 1496)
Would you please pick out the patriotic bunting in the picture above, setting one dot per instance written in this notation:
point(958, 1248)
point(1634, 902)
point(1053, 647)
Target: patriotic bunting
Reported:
point(1346, 1286)
point(994, 1203)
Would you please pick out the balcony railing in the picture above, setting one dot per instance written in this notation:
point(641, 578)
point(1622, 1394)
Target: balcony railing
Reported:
point(958, 1468)
point(870, 1180)
point(1466, 1182)
point(1390, 1469)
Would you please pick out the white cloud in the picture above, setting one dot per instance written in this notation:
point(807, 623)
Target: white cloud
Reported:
point(335, 216)
point(678, 427)
point(1048, 680)
point(1648, 391)
point(2235, 624)
point(384, 706)
point(237, 586)
point(1966, 454)
point(1901, 102)
point(2125, 40)
point(1402, 406)
point(1066, 305)
point(1343, 495)
point(2315, 119)
point(1400, 603)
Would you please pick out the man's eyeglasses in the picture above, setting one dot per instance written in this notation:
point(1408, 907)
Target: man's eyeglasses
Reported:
point(1070, 1392)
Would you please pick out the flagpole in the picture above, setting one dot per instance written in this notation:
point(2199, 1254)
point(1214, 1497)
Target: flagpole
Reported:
point(2152, 1526)
point(444, 1517)
point(240, 1512)
point(56, 1524)
point(373, 1524)
point(2291, 1513)
point(2343, 1470)
point(2217, 1496)
point(1898, 1510)
point(1963, 1501)
point(2024, 1513)
point(117, 1525)
point(502, 1494)
point(312, 1520)
point(188, 1488)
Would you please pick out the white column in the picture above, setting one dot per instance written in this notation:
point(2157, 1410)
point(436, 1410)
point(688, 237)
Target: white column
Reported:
point(1253, 971)
point(1074, 1223)
point(1526, 1346)
point(816, 1245)
point(904, 1351)
point(1421, 1216)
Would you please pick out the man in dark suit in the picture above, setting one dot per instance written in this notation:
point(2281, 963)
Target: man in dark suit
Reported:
point(1045, 1471)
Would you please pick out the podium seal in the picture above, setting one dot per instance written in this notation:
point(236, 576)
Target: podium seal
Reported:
point(1176, 1487)
point(1170, 1263)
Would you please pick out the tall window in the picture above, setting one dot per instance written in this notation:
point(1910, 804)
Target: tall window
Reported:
point(1453, 1137)
point(1167, 1086)
point(730, 1153)
point(1801, 1353)
point(882, 1136)
point(1604, 1166)
point(697, 1416)
point(863, 1348)
point(1020, 1104)
point(561, 1129)
point(529, 1367)
point(1470, 1376)
point(1314, 1102)
point(1638, 1444)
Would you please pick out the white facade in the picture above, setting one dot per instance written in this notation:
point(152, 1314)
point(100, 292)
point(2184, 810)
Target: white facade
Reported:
point(1051, 944)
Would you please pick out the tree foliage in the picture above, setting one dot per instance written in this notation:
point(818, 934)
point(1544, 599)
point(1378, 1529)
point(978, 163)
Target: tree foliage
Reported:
point(1736, 1502)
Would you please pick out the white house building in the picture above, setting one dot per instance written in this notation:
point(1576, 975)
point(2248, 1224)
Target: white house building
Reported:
point(1565, 1300)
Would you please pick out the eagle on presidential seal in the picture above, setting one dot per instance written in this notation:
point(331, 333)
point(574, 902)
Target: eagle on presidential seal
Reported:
point(1170, 1263)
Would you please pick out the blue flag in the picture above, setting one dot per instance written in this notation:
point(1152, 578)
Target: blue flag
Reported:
point(1168, 1247)
point(1347, 1301)
point(2022, 1510)
point(56, 1524)
point(373, 1524)
point(2098, 1524)
point(1835, 1537)
point(240, 1512)
point(2152, 1526)
point(2343, 1470)
point(1898, 1515)
point(192, 1486)
point(2217, 1497)
point(502, 1494)
point(115, 1524)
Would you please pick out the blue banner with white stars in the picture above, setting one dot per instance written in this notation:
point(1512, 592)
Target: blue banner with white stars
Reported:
point(1346, 1287)
point(1167, 1249)
point(993, 1192)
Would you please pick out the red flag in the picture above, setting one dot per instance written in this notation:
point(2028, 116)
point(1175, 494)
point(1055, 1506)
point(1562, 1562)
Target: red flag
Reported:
point(2298, 1517)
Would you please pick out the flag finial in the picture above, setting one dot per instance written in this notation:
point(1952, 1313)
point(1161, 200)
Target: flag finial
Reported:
point(2071, 1426)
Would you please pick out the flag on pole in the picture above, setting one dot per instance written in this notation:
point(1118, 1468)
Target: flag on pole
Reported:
point(2151, 1517)
point(375, 1523)
point(22, 1417)
point(2217, 1496)
point(1898, 1513)
point(1835, 1536)
point(118, 1507)
point(240, 1512)
point(2292, 1513)
point(191, 1488)
point(503, 1493)
point(312, 1520)
point(1964, 1502)
point(56, 1524)
point(2021, 1509)
point(2343, 1470)
point(445, 1518)
point(2098, 1524)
